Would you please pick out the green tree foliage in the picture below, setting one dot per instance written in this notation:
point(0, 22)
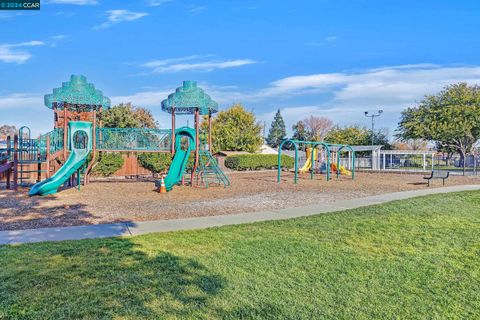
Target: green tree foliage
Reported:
point(155, 162)
point(352, 135)
point(236, 129)
point(450, 118)
point(108, 164)
point(125, 115)
point(357, 136)
point(380, 138)
point(277, 131)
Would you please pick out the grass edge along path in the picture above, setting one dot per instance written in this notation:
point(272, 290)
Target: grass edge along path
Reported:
point(415, 258)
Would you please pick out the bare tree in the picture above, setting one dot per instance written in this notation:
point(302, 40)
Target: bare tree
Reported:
point(411, 144)
point(417, 144)
point(318, 127)
point(6, 130)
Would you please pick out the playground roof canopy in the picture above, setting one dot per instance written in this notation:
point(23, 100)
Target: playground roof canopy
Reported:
point(187, 98)
point(77, 92)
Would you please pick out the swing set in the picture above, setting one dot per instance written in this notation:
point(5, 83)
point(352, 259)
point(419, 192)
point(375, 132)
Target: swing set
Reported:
point(330, 150)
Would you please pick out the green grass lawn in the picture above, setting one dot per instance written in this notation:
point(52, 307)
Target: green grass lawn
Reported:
point(417, 258)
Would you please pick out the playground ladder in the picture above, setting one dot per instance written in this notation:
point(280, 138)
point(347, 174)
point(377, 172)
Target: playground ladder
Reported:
point(210, 172)
point(29, 156)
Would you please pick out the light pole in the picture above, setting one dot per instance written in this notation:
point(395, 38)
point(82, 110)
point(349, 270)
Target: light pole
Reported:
point(372, 115)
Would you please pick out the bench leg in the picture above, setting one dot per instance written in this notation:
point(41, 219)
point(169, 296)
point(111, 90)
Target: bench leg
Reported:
point(443, 181)
point(428, 182)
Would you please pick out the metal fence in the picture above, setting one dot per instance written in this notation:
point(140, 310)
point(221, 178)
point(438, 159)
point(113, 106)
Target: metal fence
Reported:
point(416, 163)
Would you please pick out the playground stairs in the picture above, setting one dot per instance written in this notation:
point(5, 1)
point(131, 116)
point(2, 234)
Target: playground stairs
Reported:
point(209, 171)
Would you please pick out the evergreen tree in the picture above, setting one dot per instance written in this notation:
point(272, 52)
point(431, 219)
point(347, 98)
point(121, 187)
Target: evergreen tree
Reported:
point(277, 131)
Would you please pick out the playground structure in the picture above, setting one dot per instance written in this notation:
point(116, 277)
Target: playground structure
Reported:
point(325, 154)
point(70, 151)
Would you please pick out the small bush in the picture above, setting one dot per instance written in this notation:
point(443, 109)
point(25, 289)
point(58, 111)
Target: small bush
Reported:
point(243, 162)
point(108, 164)
point(155, 162)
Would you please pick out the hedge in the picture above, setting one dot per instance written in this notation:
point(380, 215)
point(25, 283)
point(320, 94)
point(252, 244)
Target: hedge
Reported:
point(155, 162)
point(108, 164)
point(243, 162)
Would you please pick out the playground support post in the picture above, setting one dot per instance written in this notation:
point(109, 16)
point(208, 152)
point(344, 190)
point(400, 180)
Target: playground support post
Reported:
point(15, 162)
point(197, 143)
point(94, 147)
point(65, 132)
point(9, 152)
point(173, 131)
point(210, 130)
point(100, 125)
point(39, 163)
point(47, 152)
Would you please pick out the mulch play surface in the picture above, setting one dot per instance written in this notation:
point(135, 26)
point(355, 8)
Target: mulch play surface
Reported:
point(127, 200)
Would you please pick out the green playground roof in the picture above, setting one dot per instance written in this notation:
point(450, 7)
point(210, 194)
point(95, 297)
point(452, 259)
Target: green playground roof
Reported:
point(77, 92)
point(187, 98)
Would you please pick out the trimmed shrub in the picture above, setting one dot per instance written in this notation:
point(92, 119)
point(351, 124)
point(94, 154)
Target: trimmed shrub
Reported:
point(243, 162)
point(108, 164)
point(155, 162)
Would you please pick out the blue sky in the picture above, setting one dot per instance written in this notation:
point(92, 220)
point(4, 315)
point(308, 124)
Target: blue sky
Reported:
point(331, 58)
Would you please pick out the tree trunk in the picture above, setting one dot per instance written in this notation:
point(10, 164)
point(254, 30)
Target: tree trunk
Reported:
point(463, 159)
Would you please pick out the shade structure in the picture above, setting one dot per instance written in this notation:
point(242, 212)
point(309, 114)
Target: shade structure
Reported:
point(187, 98)
point(77, 92)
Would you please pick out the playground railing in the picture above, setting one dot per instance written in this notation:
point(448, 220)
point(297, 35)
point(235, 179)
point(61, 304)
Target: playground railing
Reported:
point(133, 139)
point(56, 141)
point(4, 150)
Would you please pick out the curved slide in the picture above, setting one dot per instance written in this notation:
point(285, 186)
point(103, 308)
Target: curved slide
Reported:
point(77, 158)
point(180, 159)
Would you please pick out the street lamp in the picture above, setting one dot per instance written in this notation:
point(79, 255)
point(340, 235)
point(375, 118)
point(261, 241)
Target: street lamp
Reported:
point(373, 115)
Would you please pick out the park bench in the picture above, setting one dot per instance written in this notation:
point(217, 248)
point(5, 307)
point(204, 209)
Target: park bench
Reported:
point(437, 175)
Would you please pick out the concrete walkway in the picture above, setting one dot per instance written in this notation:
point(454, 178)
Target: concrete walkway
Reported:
point(137, 228)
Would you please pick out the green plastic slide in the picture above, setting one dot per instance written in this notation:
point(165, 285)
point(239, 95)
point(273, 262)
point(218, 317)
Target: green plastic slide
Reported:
point(180, 160)
point(80, 135)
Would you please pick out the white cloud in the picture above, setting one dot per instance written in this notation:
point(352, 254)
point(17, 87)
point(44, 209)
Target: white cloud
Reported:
point(120, 15)
point(165, 62)
point(324, 42)
point(75, 2)
point(59, 37)
point(156, 3)
point(196, 63)
point(10, 53)
point(9, 14)
point(19, 101)
point(342, 96)
point(148, 99)
point(195, 9)
point(25, 109)
point(144, 98)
